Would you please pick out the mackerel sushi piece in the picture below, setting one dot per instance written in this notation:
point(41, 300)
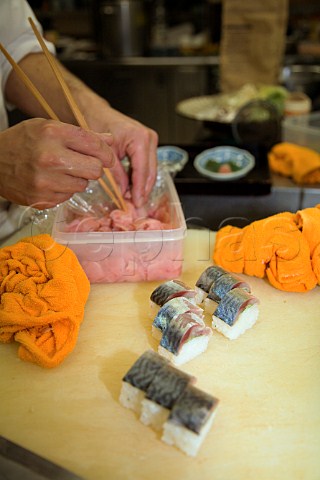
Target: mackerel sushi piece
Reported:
point(190, 420)
point(137, 380)
point(220, 287)
point(206, 279)
point(184, 339)
point(166, 387)
point(170, 310)
point(171, 289)
point(237, 311)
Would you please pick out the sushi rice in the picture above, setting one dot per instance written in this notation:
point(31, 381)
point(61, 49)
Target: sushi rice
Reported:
point(245, 320)
point(183, 438)
point(190, 420)
point(191, 349)
point(131, 397)
point(153, 414)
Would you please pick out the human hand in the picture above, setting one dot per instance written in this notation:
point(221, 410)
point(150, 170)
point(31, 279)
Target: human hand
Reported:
point(129, 137)
point(138, 143)
point(44, 162)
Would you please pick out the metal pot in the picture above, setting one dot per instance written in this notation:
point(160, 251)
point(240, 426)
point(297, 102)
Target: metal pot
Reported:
point(303, 78)
point(122, 28)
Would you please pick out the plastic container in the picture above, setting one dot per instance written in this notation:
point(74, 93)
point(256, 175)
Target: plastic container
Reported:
point(297, 103)
point(130, 256)
point(303, 130)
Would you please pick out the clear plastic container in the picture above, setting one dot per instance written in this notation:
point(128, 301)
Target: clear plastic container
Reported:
point(303, 130)
point(129, 256)
point(297, 103)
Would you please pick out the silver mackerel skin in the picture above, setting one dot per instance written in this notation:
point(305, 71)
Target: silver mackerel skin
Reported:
point(172, 308)
point(232, 304)
point(182, 326)
point(168, 290)
point(225, 283)
point(193, 409)
point(209, 276)
point(144, 370)
point(162, 293)
point(168, 385)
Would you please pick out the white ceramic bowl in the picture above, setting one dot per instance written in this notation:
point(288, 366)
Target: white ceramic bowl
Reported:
point(224, 163)
point(172, 158)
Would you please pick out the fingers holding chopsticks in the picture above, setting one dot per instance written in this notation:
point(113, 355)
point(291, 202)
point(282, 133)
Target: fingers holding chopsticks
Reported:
point(131, 138)
point(83, 142)
point(137, 142)
point(45, 162)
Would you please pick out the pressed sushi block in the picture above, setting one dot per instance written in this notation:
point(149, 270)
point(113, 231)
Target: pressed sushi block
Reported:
point(185, 338)
point(237, 311)
point(170, 402)
point(190, 420)
point(165, 388)
point(205, 281)
point(170, 310)
point(138, 378)
point(222, 285)
point(171, 289)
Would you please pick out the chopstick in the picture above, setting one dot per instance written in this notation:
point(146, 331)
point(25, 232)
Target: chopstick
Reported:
point(75, 110)
point(29, 84)
point(73, 105)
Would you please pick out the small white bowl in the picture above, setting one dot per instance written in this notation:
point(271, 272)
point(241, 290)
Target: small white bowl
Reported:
point(224, 163)
point(172, 158)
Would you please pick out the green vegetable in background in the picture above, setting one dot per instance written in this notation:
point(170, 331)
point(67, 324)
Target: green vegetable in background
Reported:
point(275, 94)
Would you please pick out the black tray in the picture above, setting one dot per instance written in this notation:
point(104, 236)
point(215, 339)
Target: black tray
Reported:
point(256, 182)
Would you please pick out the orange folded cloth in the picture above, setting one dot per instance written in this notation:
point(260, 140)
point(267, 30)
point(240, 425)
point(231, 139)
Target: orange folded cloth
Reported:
point(300, 163)
point(43, 291)
point(308, 221)
point(284, 247)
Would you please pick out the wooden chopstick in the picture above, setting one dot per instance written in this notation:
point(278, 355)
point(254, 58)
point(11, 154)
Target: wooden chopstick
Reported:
point(29, 84)
point(74, 107)
point(76, 111)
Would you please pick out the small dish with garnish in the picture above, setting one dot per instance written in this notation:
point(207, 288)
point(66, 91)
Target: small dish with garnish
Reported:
point(224, 163)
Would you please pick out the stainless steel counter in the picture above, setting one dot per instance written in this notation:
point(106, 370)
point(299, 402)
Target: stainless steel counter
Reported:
point(216, 210)
point(306, 195)
point(176, 60)
point(165, 61)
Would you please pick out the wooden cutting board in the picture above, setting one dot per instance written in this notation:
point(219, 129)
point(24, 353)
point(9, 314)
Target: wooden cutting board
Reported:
point(268, 382)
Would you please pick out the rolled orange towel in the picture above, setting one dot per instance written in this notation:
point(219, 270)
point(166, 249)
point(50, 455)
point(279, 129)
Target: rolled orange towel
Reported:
point(43, 291)
point(291, 160)
point(284, 247)
point(308, 221)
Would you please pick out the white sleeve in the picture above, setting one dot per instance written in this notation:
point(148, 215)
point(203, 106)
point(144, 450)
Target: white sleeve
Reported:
point(16, 34)
point(12, 217)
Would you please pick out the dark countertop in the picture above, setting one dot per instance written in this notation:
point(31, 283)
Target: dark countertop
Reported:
point(257, 182)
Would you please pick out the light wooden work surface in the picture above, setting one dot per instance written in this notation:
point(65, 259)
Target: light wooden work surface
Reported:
point(268, 422)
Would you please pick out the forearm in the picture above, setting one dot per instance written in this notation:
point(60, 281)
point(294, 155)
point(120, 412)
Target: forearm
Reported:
point(36, 67)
